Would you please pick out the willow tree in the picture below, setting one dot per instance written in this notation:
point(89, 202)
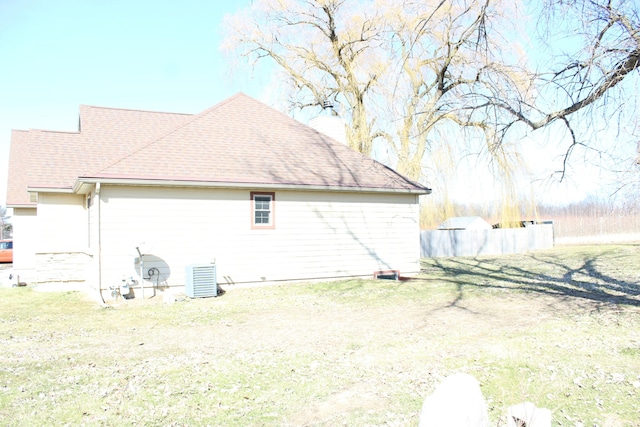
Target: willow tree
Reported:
point(326, 50)
point(443, 55)
point(401, 72)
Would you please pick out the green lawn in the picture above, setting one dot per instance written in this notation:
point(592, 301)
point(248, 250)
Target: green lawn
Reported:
point(560, 328)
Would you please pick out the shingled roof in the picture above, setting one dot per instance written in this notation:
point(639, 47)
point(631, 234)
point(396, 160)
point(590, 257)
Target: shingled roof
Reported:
point(239, 141)
point(18, 179)
point(53, 159)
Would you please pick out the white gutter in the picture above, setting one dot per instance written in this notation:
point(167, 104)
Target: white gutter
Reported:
point(99, 243)
point(19, 206)
point(243, 185)
point(67, 190)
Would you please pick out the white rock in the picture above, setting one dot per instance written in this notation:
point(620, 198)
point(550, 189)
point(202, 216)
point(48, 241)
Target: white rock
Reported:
point(456, 402)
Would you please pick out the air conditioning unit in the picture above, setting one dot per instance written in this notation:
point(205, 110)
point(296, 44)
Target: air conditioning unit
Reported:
point(200, 281)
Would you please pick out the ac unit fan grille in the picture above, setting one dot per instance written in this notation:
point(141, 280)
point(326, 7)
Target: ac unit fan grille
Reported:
point(200, 281)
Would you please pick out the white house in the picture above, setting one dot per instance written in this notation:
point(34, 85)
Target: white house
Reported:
point(241, 185)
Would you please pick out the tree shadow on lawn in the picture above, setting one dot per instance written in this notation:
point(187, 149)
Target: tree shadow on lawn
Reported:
point(546, 275)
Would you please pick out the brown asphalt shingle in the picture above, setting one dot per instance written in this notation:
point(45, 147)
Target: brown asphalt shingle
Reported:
point(51, 159)
point(238, 141)
point(242, 140)
point(17, 176)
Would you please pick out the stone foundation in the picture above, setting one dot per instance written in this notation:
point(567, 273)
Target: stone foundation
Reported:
point(62, 269)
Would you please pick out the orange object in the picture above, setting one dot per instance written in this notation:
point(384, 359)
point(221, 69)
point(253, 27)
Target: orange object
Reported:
point(6, 250)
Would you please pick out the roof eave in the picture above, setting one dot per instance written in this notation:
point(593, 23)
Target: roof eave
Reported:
point(82, 182)
point(34, 189)
point(21, 205)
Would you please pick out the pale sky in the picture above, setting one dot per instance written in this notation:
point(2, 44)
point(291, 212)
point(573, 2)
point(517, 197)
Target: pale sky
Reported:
point(140, 54)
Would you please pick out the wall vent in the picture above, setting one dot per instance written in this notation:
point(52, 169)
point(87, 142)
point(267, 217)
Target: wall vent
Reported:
point(200, 281)
point(387, 275)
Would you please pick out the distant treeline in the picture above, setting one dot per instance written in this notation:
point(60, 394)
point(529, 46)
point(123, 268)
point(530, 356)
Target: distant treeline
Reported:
point(593, 218)
point(590, 217)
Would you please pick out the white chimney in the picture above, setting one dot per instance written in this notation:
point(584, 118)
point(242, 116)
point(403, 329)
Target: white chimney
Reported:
point(329, 123)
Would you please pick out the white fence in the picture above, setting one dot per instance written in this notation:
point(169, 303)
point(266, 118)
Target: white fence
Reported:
point(445, 243)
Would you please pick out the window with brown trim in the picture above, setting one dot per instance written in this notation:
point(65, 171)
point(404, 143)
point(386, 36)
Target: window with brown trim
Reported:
point(263, 210)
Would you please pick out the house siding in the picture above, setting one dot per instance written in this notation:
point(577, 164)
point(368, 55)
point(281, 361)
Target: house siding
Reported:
point(61, 249)
point(61, 223)
point(317, 235)
point(24, 242)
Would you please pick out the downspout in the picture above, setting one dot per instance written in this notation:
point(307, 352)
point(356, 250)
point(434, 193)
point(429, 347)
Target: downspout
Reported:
point(99, 247)
point(141, 270)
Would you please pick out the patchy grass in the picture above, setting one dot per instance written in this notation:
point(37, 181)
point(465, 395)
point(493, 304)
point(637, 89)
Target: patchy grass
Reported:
point(560, 328)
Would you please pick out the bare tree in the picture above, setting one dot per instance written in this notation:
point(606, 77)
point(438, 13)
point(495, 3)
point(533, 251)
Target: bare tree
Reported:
point(402, 71)
point(609, 33)
point(5, 227)
point(325, 49)
point(595, 76)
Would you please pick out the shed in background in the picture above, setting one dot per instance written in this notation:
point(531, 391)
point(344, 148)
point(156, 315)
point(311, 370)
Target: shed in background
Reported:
point(465, 223)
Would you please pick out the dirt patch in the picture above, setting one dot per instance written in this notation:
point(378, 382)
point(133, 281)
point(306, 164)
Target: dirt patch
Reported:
point(356, 398)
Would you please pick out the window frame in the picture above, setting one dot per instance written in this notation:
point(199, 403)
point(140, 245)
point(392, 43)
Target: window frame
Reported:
point(272, 210)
